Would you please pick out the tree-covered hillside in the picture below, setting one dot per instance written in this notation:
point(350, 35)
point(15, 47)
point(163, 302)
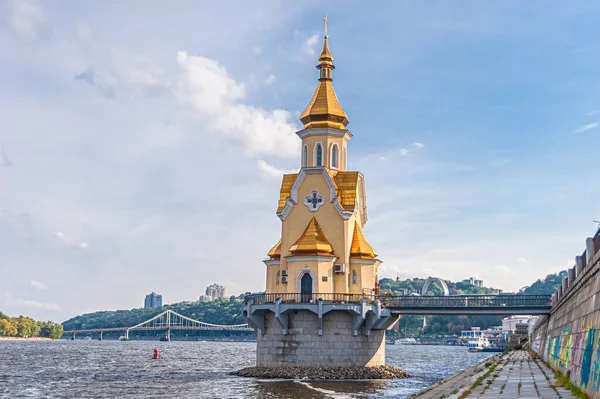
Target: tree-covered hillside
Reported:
point(546, 286)
point(215, 312)
point(397, 287)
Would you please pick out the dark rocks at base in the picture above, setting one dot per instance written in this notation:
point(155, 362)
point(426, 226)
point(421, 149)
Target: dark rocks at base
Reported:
point(324, 373)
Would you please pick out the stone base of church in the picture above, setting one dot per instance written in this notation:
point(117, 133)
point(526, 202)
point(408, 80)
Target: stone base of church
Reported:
point(319, 334)
point(302, 346)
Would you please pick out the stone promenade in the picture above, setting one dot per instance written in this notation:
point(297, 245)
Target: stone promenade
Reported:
point(512, 375)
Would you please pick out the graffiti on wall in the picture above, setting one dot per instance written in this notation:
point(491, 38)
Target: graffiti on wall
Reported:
point(577, 353)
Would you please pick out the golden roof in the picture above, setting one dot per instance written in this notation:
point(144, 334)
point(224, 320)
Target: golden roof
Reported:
point(312, 241)
point(360, 247)
point(324, 109)
point(346, 189)
point(284, 192)
point(275, 252)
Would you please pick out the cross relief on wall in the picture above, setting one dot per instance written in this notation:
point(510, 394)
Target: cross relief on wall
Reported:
point(313, 200)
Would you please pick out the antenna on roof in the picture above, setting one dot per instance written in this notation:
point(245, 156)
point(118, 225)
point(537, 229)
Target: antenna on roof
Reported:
point(595, 221)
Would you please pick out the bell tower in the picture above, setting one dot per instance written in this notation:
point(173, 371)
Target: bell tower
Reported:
point(324, 137)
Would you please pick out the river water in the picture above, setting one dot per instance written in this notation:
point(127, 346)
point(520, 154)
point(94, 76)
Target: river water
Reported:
point(113, 369)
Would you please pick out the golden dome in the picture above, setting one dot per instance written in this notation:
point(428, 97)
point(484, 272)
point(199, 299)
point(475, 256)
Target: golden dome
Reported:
point(360, 247)
point(312, 241)
point(324, 109)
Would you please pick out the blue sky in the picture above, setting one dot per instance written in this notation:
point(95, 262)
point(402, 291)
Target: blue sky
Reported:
point(475, 124)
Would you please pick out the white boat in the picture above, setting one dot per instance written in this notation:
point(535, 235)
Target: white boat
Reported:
point(478, 344)
point(407, 341)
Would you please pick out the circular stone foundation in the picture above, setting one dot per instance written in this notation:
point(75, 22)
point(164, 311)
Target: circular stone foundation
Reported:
point(303, 346)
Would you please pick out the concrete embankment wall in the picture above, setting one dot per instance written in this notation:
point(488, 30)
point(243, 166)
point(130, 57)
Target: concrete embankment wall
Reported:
point(569, 339)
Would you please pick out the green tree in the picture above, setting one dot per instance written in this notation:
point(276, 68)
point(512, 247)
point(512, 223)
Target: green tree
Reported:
point(7, 328)
point(26, 327)
point(547, 286)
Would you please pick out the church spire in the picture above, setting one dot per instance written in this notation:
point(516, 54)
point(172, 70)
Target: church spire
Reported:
point(324, 109)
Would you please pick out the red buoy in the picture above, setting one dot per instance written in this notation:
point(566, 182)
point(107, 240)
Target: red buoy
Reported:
point(155, 353)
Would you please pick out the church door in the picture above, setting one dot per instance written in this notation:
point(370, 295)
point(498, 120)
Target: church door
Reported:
point(306, 288)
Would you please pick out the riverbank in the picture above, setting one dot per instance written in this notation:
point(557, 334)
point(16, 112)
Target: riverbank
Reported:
point(513, 374)
point(324, 373)
point(25, 339)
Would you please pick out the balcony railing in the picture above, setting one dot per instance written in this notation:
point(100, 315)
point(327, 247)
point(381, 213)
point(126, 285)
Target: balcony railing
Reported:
point(412, 302)
point(310, 298)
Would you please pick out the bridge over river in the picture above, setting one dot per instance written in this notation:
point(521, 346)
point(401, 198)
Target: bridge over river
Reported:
point(165, 321)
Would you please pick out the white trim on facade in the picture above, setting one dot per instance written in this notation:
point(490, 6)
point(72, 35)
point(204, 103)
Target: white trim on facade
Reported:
point(335, 157)
point(304, 162)
point(299, 280)
point(292, 200)
point(300, 258)
point(271, 262)
point(375, 262)
point(345, 157)
point(324, 131)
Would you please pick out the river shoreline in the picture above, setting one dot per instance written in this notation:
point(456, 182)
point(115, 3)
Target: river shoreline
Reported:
point(26, 339)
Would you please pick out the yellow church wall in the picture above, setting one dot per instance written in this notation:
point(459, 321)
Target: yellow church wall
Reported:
point(272, 286)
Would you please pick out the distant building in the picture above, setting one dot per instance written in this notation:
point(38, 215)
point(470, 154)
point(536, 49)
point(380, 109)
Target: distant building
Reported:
point(514, 323)
point(473, 281)
point(153, 300)
point(215, 291)
point(204, 298)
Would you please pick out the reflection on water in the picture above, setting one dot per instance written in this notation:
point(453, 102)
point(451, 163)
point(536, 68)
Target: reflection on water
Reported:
point(112, 369)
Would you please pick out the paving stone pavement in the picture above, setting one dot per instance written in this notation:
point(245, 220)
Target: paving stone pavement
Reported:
point(519, 376)
point(516, 376)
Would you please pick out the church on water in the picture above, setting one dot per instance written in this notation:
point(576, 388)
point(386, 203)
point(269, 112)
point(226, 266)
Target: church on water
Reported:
point(321, 305)
point(323, 207)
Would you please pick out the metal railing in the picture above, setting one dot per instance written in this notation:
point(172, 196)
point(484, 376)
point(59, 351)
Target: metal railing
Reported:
point(412, 302)
point(310, 298)
point(467, 301)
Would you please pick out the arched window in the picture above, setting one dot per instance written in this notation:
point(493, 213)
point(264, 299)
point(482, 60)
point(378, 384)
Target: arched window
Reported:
point(335, 156)
point(278, 277)
point(318, 154)
point(304, 156)
point(353, 276)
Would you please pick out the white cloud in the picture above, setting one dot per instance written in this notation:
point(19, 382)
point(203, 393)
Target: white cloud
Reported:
point(39, 305)
point(309, 46)
point(270, 79)
point(84, 245)
point(586, 127)
point(204, 85)
point(269, 171)
point(523, 260)
point(411, 148)
point(26, 17)
point(592, 113)
point(38, 285)
point(257, 50)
